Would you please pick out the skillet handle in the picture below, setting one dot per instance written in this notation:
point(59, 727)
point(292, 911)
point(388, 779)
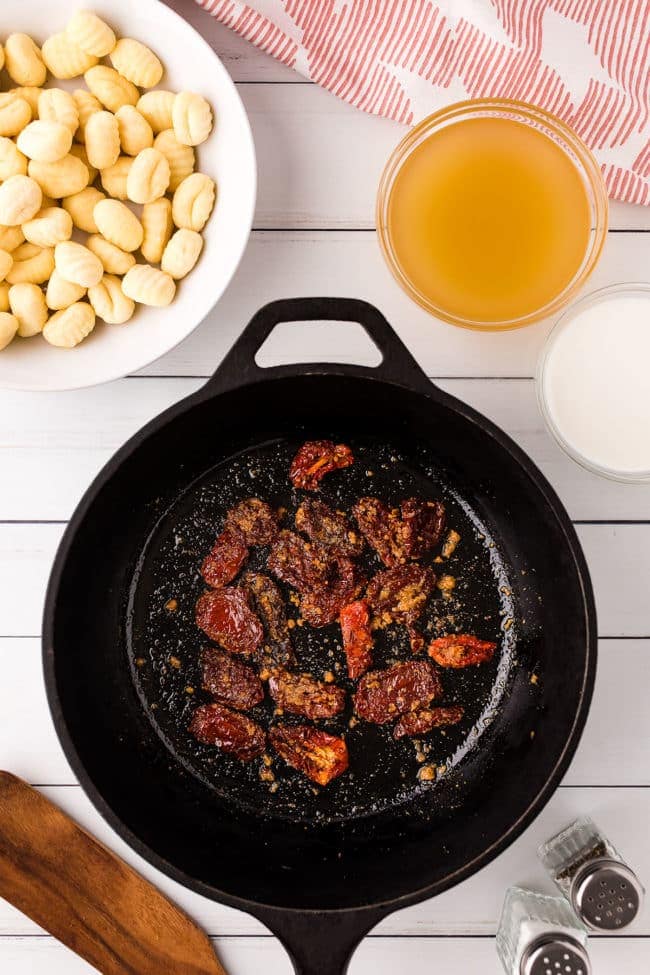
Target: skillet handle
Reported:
point(239, 367)
point(321, 942)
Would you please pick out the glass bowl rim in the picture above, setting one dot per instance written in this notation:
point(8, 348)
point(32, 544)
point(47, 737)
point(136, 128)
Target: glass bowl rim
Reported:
point(571, 144)
point(627, 288)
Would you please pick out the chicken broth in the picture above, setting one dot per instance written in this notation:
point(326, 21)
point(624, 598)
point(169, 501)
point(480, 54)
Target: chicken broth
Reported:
point(488, 220)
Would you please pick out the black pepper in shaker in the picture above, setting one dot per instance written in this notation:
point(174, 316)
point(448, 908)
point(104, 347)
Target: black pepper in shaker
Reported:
point(603, 890)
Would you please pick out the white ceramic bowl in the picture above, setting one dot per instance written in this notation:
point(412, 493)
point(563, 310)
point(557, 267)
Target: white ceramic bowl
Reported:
point(228, 156)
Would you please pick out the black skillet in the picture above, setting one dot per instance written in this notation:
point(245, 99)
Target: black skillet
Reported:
point(319, 867)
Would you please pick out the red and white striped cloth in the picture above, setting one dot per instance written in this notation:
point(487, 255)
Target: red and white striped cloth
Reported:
point(587, 61)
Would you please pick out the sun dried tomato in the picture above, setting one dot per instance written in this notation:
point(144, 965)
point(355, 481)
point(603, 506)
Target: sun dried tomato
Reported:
point(383, 695)
point(399, 595)
point(461, 650)
point(357, 638)
point(225, 615)
point(255, 519)
point(315, 459)
point(421, 722)
point(319, 755)
point(234, 733)
point(229, 680)
point(323, 604)
point(225, 559)
point(328, 528)
point(301, 564)
point(304, 695)
point(269, 606)
point(400, 535)
point(423, 523)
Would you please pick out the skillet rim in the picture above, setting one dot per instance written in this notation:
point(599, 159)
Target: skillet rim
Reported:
point(379, 909)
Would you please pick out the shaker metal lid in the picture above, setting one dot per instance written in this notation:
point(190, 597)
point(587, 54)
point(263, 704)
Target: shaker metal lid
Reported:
point(606, 894)
point(555, 953)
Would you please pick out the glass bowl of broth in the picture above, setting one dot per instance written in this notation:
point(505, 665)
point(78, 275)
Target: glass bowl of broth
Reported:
point(491, 214)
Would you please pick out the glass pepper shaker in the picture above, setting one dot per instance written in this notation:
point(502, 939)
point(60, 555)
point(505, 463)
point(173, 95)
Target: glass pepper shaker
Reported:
point(604, 892)
point(541, 935)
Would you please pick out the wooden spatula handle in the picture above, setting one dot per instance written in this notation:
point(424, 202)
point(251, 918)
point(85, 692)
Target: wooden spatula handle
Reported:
point(87, 897)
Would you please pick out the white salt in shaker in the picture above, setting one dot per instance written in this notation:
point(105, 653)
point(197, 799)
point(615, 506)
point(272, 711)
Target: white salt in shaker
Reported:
point(604, 892)
point(540, 935)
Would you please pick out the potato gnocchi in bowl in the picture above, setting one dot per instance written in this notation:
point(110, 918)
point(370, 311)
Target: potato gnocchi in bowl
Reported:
point(106, 200)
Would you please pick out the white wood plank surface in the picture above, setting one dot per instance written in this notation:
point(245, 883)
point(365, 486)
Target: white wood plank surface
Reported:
point(323, 160)
point(471, 908)
point(613, 750)
point(618, 557)
point(383, 956)
point(349, 264)
point(65, 434)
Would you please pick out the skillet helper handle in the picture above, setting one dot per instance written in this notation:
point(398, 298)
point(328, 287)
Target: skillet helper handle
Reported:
point(84, 895)
point(239, 367)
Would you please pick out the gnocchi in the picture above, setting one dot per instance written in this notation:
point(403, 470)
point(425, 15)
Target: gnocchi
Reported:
point(6, 260)
point(81, 205)
point(148, 286)
point(11, 238)
point(23, 61)
point(191, 118)
point(80, 152)
point(110, 302)
point(31, 94)
point(181, 253)
point(111, 88)
point(68, 160)
point(148, 177)
point(135, 132)
point(114, 177)
point(8, 328)
point(91, 33)
point(193, 201)
point(27, 303)
point(113, 258)
point(77, 264)
point(45, 141)
point(64, 59)
point(70, 326)
point(118, 224)
point(32, 264)
point(157, 225)
point(57, 105)
point(102, 140)
point(20, 200)
point(86, 104)
point(156, 107)
point(58, 179)
point(49, 227)
point(12, 161)
point(61, 293)
point(181, 158)
point(15, 113)
point(136, 62)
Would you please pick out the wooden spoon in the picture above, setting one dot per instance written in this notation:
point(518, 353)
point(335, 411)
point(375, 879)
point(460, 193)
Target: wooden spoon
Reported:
point(75, 888)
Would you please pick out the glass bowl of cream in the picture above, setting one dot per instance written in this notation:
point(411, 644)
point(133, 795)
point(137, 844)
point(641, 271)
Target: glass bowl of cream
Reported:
point(593, 382)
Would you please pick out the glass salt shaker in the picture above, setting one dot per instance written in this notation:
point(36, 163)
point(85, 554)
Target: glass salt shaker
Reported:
point(541, 935)
point(604, 892)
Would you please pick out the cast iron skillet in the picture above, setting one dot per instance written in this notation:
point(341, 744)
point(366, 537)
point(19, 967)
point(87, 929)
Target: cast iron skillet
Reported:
point(318, 869)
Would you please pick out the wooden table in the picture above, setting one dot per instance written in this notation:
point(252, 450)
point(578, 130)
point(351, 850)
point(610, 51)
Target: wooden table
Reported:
point(319, 163)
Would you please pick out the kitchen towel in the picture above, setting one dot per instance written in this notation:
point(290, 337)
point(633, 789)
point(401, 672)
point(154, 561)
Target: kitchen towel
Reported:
point(587, 61)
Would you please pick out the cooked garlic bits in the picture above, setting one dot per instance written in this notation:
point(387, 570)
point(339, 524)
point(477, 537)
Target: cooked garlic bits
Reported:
point(98, 184)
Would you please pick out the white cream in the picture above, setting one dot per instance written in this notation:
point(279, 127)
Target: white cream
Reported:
point(595, 381)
